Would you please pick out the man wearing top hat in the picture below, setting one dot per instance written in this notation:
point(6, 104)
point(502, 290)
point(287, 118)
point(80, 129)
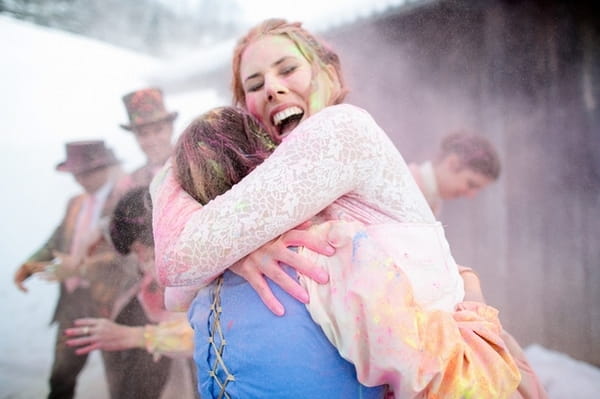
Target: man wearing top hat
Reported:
point(76, 256)
point(133, 372)
point(152, 126)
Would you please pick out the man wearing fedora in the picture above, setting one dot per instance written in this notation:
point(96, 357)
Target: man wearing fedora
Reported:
point(152, 126)
point(78, 257)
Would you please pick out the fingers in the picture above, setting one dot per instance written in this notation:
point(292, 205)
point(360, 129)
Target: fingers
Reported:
point(87, 349)
point(19, 283)
point(339, 233)
point(21, 275)
point(266, 295)
point(306, 267)
point(287, 283)
point(84, 331)
point(255, 278)
point(86, 342)
point(271, 269)
point(266, 260)
point(21, 287)
point(84, 328)
point(315, 240)
point(79, 341)
point(86, 345)
point(85, 321)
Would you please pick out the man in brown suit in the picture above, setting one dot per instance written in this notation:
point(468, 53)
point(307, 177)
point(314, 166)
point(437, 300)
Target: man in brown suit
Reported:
point(76, 256)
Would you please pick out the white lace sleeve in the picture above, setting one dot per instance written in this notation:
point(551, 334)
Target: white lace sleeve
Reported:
point(327, 156)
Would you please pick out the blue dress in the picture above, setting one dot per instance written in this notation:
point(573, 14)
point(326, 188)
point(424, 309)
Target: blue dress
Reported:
point(266, 356)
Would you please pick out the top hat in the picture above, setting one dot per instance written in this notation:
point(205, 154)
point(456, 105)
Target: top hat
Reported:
point(144, 107)
point(85, 156)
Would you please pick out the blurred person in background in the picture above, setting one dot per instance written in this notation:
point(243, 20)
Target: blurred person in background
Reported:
point(152, 126)
point(465, 163)
point(92, 275)
point(154, 339)
point(129, 371)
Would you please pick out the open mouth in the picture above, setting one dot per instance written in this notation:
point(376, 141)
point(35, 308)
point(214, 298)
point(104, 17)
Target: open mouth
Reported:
point(285, 121)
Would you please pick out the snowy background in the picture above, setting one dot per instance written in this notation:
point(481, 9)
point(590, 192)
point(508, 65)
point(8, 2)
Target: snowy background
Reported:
point(57, 87)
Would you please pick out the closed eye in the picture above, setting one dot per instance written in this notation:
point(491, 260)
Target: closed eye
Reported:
point(289, 69)
point(254, 86)
point(473, 185)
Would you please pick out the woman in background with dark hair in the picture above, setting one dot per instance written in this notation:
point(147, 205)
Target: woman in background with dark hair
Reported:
point(170, 335)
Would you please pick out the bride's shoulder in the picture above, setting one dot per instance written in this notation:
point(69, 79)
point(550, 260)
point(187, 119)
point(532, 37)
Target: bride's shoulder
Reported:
point(343, 113)
point(344, 109)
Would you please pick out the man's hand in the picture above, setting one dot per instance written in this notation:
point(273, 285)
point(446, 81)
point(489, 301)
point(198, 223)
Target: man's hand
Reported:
point(26, 270)
point(90, 334)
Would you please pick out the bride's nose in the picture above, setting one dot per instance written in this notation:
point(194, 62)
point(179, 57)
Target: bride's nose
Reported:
point(274, 87)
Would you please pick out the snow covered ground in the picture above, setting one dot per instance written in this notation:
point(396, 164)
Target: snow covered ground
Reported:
point(57, 87)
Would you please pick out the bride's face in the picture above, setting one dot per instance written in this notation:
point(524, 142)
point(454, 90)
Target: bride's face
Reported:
point(282, 88)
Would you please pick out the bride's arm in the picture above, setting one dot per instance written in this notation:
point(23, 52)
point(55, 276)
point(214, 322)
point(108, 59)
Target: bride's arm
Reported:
point(324, 158)
point(176, 206)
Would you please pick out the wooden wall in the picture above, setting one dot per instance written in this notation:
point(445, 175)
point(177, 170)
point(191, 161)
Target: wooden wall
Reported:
point(526, 74)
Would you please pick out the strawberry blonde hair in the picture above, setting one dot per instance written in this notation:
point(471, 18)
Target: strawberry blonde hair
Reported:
point(313, 49)
point(474, 151)
point(217, 150)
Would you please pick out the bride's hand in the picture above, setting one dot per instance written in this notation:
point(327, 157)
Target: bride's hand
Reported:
point(266, 260)
point(472, 285)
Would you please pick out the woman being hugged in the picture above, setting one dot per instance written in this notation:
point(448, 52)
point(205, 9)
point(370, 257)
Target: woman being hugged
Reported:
point(333, 164)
